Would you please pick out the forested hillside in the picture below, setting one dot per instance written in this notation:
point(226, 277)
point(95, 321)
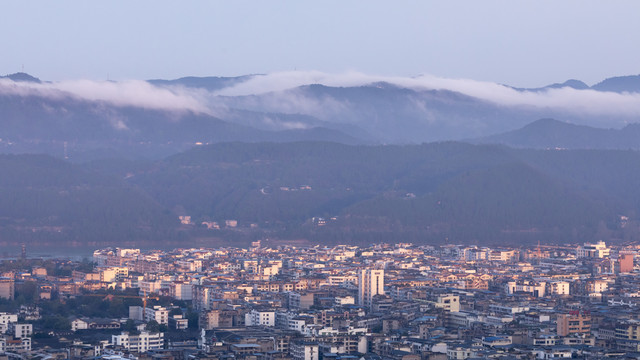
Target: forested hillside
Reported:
point(47, 201)
point(432, 192)
point(327, 192)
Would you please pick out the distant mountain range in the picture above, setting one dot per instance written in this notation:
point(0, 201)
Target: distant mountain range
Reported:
point(67, 126)
point(83, 121)
point(618, 84)
point(554, 134)
point(290, 158)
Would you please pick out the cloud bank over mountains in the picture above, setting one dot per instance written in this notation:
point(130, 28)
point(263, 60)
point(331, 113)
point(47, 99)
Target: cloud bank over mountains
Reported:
point(585, 101)
point(375, 109)
point(279, 86)
point(135, 93)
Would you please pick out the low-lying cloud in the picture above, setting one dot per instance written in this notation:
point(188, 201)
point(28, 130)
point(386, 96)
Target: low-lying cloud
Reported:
point(582, 102)
point(276, 93)
point(124, 93)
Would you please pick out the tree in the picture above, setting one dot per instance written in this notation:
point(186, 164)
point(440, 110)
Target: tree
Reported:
point(56, 323)
point(26, 293)
point(153, 326)
point(193, 318)
point(175, 311)
point(130, 326)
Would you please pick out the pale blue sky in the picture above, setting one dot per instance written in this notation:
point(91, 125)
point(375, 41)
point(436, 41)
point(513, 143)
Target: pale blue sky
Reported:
point(521, 43)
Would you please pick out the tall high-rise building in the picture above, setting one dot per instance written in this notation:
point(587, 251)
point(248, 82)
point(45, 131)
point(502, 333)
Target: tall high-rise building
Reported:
point(370, 283)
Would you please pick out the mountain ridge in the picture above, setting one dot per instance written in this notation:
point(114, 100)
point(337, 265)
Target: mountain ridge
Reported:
point(619, 84)
point(555, 134)
point(100, 124)
point(75, 128)
point(21, 77)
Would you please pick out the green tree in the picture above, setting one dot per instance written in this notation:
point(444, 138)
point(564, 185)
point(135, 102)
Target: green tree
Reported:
point(175, 311)
point(56, 323)
point(153, 326)
point(192, 317)
point(27, 292)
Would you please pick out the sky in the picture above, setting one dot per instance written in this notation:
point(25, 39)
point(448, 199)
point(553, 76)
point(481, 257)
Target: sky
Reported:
point(519, 43)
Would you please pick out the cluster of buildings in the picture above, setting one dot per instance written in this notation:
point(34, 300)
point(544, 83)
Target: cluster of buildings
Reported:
point(398, 301)
point(16, 335)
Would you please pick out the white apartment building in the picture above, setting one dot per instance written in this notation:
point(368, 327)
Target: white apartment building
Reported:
point(181, 291)
point(370, 284)
point(250, 266)
point(473, 253)
point(559, 288)
point(305, 351)
point(298, 324)
point(149, 286)
point(79, 324)
point(597, 286)
point(114, 273)
point(537, 289)
point(507, 309)
point(127, 252)
point(178, 322)
point(202, 297)
point(158, 313)
point(22, 330)
point(448, 302)
point(271, 270)
point(597, 250)
point(260, 318)
point(6, 319)
point(189, 265)
point(342, 279)
point(139, 343)
point(9, 344)
point(503, 255)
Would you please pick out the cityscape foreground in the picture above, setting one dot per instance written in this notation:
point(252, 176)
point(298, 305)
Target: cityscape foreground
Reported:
point(385, 301)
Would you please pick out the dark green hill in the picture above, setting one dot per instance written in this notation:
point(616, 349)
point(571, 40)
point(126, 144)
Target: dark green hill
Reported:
point(427, 192)
point(507, 202)
point(47, 201)
point(327, 192)
point(553, 134)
